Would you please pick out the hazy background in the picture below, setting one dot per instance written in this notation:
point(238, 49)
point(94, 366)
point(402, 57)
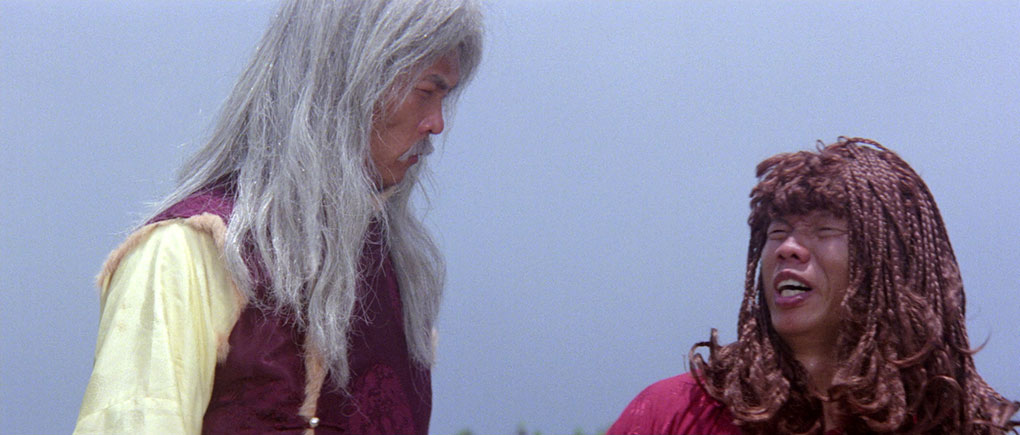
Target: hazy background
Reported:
point(591, 197)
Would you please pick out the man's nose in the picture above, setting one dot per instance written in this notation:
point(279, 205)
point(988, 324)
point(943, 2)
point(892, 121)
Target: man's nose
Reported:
point(792, 249)
point(433, 123)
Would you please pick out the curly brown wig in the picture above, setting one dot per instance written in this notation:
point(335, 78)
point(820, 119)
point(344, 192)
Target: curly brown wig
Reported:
point(906, 364)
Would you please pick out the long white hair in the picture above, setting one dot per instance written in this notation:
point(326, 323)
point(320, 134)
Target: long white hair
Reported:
point(293, 142)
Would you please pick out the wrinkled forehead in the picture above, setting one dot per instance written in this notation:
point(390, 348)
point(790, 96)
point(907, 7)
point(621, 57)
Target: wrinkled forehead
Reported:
point(443, 70)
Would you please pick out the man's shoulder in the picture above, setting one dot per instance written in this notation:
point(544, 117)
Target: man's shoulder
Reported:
point(685, 380)
point(673, 390)
point(216, 201)
point(674, 405)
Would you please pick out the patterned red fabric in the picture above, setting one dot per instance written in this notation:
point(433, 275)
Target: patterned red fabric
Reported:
point(261, 385)
point(676, 405)
point(390, 394)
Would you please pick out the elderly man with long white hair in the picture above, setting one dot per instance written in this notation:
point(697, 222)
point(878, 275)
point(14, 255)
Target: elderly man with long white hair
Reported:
point(286, 285)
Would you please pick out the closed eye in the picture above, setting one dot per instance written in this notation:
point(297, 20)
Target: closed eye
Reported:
point(439, 82)
point(831, 231)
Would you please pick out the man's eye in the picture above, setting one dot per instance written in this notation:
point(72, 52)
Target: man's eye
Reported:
point(830, 231)
point(777, 234)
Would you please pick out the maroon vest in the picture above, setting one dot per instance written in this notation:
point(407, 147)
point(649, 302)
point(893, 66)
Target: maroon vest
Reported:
point(260, 386)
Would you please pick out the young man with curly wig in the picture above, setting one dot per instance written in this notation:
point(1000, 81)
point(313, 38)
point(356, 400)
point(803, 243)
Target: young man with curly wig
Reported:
point(852, 319)
point(286, 285)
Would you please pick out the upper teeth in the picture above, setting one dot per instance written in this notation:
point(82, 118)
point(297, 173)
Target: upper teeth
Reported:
point(790, 287)
point(790, 283)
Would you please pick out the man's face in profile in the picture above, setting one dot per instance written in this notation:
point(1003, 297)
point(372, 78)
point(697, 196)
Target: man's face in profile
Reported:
point(400, 137)
point(805, 273)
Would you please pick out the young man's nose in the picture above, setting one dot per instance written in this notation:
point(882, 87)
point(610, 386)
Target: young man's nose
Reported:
point(792, 249)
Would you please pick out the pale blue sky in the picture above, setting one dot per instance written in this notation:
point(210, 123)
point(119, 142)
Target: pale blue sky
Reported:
point(591, 197)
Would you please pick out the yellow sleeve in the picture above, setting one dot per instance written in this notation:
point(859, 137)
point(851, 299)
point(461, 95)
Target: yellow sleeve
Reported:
point(167, 305)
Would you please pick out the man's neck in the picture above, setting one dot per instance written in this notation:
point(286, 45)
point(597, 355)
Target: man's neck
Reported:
point(820, 364)
point(818, 357)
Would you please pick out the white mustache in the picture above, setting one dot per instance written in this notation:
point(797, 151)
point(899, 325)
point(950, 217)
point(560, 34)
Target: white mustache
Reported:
point(420, 148)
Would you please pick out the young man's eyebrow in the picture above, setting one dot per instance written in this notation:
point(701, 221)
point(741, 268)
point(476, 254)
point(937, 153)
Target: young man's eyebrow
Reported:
point(779, 220)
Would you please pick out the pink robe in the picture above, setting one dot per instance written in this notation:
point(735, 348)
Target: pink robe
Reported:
point(676, 405)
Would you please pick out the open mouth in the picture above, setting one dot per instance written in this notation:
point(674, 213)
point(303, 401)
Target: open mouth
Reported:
point(792, 287)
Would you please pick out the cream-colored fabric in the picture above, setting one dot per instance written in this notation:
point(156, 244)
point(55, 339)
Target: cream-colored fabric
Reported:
point(167, 305)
